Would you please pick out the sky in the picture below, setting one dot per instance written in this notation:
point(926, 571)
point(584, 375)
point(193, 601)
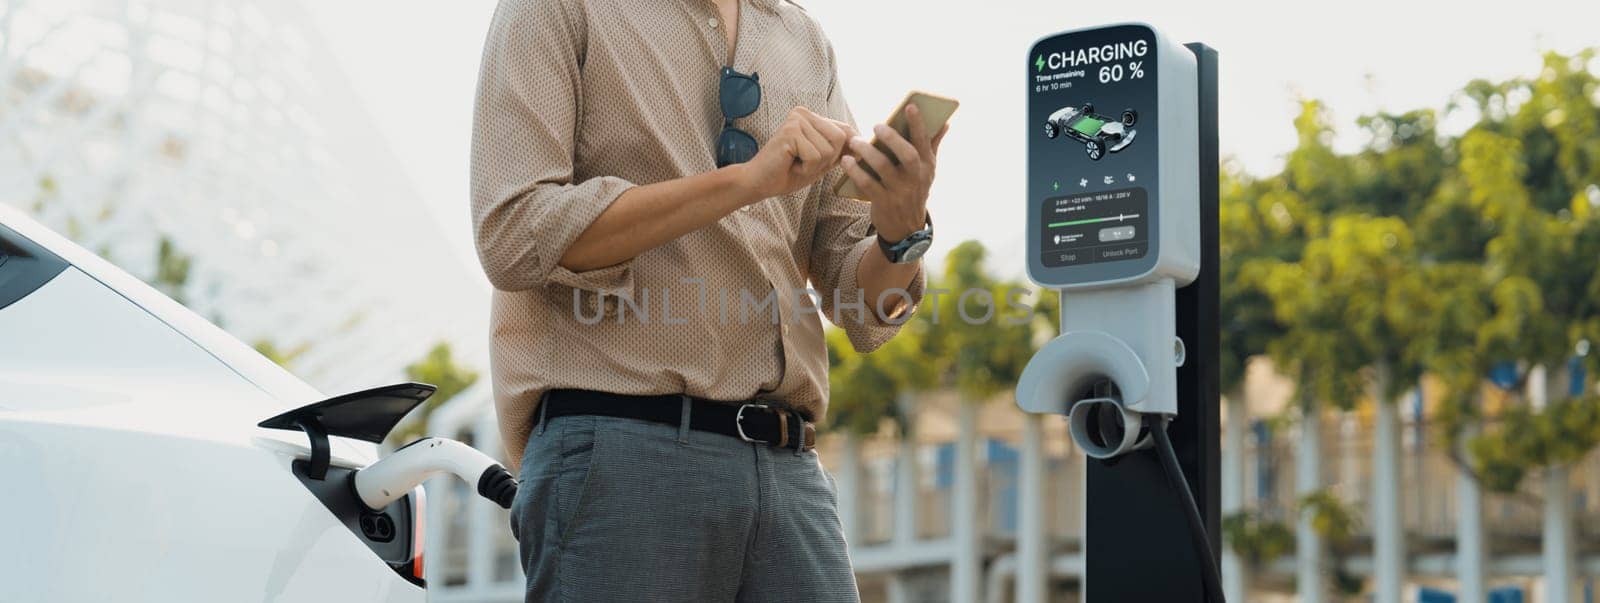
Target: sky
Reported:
point(415, 67)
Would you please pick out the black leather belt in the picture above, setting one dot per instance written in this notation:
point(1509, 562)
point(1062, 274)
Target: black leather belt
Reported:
point(753, 422)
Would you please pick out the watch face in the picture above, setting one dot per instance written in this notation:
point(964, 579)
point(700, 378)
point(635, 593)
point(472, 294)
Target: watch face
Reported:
point(915, 251)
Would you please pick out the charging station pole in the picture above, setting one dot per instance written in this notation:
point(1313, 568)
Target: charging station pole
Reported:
point(1122, 220)
point(1136, 545)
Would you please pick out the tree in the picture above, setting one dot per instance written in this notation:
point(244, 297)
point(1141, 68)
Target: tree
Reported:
point(279, 356)
point(967, 335)
point(1526, 176)
point(861, 391)
point(172, 270)
point(1259, 224)
point(440, 369)
point(1335, 301)
point(990, 339)
point(1336, 523)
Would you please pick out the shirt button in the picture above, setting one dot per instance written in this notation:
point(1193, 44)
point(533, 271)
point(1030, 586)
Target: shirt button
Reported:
point(712, 22)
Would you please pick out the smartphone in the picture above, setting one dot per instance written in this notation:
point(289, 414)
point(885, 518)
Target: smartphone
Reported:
point(936, 110)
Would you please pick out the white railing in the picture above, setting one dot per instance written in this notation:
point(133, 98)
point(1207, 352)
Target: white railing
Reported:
point(1427, 478)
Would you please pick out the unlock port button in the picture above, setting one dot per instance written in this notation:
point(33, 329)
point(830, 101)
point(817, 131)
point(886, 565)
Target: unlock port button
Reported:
point(1116, 233)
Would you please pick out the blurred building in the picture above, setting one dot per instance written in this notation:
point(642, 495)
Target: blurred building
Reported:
point(212, 148)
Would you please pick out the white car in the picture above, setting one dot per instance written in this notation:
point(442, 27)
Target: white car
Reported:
point(147, 455)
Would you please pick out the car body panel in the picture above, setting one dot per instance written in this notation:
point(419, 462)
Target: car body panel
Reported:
point(92, 360)
point(1124, 136)
point(174, 519)
point(134, 467)
point(240, 358)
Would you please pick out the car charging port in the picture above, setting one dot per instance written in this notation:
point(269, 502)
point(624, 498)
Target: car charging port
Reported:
point(393, 533)
point(378, 527)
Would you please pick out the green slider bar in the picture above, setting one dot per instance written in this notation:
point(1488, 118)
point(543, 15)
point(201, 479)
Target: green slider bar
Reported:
point(1089, 221)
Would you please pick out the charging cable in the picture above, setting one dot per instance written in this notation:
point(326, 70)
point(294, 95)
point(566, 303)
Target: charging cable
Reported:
point(1157, 426)
point(395, 475)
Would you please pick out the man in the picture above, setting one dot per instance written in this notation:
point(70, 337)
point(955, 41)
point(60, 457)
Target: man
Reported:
point(651, 185)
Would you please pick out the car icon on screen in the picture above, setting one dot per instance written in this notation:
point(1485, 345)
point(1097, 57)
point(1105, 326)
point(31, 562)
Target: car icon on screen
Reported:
point(1098, 133)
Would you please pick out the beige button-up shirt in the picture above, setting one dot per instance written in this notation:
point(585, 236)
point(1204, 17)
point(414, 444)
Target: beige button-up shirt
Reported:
point(580, 100)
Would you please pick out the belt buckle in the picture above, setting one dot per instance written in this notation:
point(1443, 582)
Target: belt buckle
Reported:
point(738, 422)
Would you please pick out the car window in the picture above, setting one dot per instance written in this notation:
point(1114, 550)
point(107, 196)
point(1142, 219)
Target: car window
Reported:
point(24, 267)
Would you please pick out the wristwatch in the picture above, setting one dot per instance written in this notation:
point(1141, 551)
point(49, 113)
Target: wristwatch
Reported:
point(911, 248)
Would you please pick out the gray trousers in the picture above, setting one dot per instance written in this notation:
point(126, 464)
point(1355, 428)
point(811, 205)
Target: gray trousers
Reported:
point(626, 510)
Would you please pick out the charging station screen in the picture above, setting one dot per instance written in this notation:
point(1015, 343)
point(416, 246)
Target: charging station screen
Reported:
point(1092, 158)
point(1086, 228)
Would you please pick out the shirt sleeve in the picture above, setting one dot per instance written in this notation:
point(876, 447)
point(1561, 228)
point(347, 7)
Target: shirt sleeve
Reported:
point(842, 234)
point(526, 207)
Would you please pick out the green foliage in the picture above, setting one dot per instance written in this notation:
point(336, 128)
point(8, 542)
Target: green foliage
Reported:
point(279, 356)
point(437, 368)
point(172, 265)
point(1336, 522)
point(1425, 252)
point(1528, 170)
point(1563, 433)
point(1402, 156)
point(988, 336)
point(972, 333)
point(172, 270)
point(1331, 518)
point(49, 191)
point(1256, 538)
point(1258, 225)
point(1338, 306)
point(861, 391)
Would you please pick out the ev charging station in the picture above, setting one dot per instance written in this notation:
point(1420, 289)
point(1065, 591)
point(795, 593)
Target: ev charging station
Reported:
point(1122, 220)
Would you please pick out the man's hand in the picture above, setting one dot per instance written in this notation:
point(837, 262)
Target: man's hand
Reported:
point(804, 148)
point(900, 192)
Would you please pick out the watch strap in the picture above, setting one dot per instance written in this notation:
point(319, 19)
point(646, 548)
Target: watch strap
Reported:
point(896, 250)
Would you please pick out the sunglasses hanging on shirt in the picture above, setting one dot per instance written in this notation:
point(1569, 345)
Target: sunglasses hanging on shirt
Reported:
point(739, 95)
